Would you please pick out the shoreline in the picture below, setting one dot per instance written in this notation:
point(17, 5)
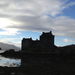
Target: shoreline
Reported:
point(19, 54)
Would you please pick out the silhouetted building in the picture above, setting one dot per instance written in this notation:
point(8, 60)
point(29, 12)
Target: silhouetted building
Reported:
point(46, 41)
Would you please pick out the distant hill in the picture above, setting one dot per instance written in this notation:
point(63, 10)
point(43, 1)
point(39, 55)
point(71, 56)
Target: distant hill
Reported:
point(68, 46)
point(5, 46)
point(72, 46)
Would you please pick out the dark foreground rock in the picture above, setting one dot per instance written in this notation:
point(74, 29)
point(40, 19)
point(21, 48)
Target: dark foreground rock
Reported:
point(0, 49)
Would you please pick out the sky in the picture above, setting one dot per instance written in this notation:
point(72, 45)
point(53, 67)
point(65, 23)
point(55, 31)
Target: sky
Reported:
point(29, 18)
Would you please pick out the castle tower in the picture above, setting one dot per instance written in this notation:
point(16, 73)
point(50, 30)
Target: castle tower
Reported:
point(47, 40)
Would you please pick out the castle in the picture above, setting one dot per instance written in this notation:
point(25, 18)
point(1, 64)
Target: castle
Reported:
point(46, 42)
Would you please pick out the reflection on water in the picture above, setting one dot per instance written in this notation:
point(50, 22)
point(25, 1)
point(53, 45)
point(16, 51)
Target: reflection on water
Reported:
point(9, 62)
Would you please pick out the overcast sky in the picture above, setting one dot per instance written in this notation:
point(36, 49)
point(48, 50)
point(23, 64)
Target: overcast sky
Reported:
point(29, 18)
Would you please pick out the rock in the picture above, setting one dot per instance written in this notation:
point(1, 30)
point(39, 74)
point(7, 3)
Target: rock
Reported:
point(0, 49)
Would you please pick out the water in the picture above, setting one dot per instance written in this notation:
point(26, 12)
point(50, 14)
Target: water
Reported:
point(9, 62)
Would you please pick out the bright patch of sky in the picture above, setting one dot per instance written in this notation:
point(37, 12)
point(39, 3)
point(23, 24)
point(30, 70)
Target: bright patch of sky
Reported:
point(29, 18)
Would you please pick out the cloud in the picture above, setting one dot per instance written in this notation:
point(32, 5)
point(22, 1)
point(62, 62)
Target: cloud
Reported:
point(31, 8)
point(9, 31)
point(68, 5)
point(12, 41)
point(35, 15)
point(61, 26)
point(67, 41)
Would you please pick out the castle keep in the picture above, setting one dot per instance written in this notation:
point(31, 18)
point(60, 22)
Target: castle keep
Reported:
point(46, 42)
